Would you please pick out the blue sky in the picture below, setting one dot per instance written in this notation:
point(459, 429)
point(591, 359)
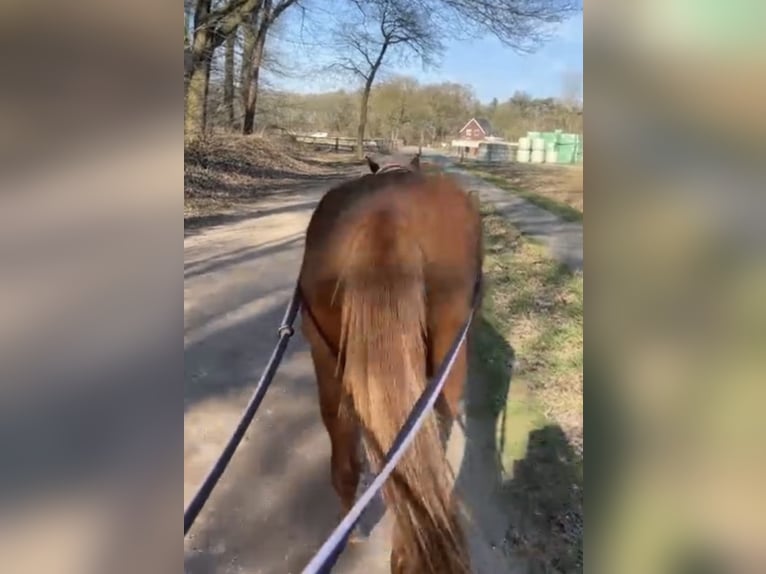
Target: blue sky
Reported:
point(497, 71)
point(492, 69)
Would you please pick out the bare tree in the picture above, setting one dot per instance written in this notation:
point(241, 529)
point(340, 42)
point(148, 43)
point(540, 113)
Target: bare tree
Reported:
point(228, 78)
point(256, 32)
point(374, 31)
point(211, 28)
point(394, 105)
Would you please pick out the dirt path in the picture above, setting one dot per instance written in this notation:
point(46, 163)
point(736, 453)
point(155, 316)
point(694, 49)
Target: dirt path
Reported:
point(275, 505)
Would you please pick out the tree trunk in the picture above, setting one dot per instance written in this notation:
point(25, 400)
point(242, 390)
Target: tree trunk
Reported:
point(198, 76)
point(188, 62)
point(228, 79)
point(255, 71)
point(246, 71)
point(363, 119)
point(252, 58)
point(209, 33)
point(366, 99)
point(187, 51)
point(196, 102)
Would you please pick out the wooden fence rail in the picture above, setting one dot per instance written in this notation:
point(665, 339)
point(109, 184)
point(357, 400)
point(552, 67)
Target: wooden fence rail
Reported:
point(341, 143)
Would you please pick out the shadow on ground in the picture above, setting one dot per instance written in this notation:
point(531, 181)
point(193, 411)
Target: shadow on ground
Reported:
point(194, 224)
point(239, 256)
point(537, 503)
point(210, 184)
point(275, 504)
point(225, 357)
point(274, 507)
point(339, 164)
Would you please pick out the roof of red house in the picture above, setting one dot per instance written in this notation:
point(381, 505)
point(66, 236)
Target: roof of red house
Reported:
point(483, 124)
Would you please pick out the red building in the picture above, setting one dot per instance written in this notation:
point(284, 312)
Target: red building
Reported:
point(475, 130)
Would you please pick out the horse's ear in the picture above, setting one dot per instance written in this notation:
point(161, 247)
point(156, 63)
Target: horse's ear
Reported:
point(415, 163)
point(374, 167)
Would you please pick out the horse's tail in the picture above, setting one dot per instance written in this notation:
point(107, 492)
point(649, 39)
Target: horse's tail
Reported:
point(383, 347)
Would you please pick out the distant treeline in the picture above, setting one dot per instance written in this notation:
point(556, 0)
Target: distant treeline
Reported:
point(404, 109)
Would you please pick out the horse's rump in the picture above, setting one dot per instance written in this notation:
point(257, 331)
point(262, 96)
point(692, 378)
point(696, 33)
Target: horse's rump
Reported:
point(370, 264)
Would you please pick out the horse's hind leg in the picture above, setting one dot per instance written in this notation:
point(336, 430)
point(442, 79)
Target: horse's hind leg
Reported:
point(340, 425)
point(447, 317)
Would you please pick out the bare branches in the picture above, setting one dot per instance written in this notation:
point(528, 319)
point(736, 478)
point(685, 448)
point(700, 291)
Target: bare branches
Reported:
point(520, 24)
point(377, 29)
point(222, 20)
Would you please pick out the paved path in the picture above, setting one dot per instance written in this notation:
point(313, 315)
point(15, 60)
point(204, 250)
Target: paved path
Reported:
point(275, 505)
point(564, 239)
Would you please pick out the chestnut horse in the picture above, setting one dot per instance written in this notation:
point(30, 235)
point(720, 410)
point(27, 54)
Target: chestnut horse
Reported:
point(387, 281)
